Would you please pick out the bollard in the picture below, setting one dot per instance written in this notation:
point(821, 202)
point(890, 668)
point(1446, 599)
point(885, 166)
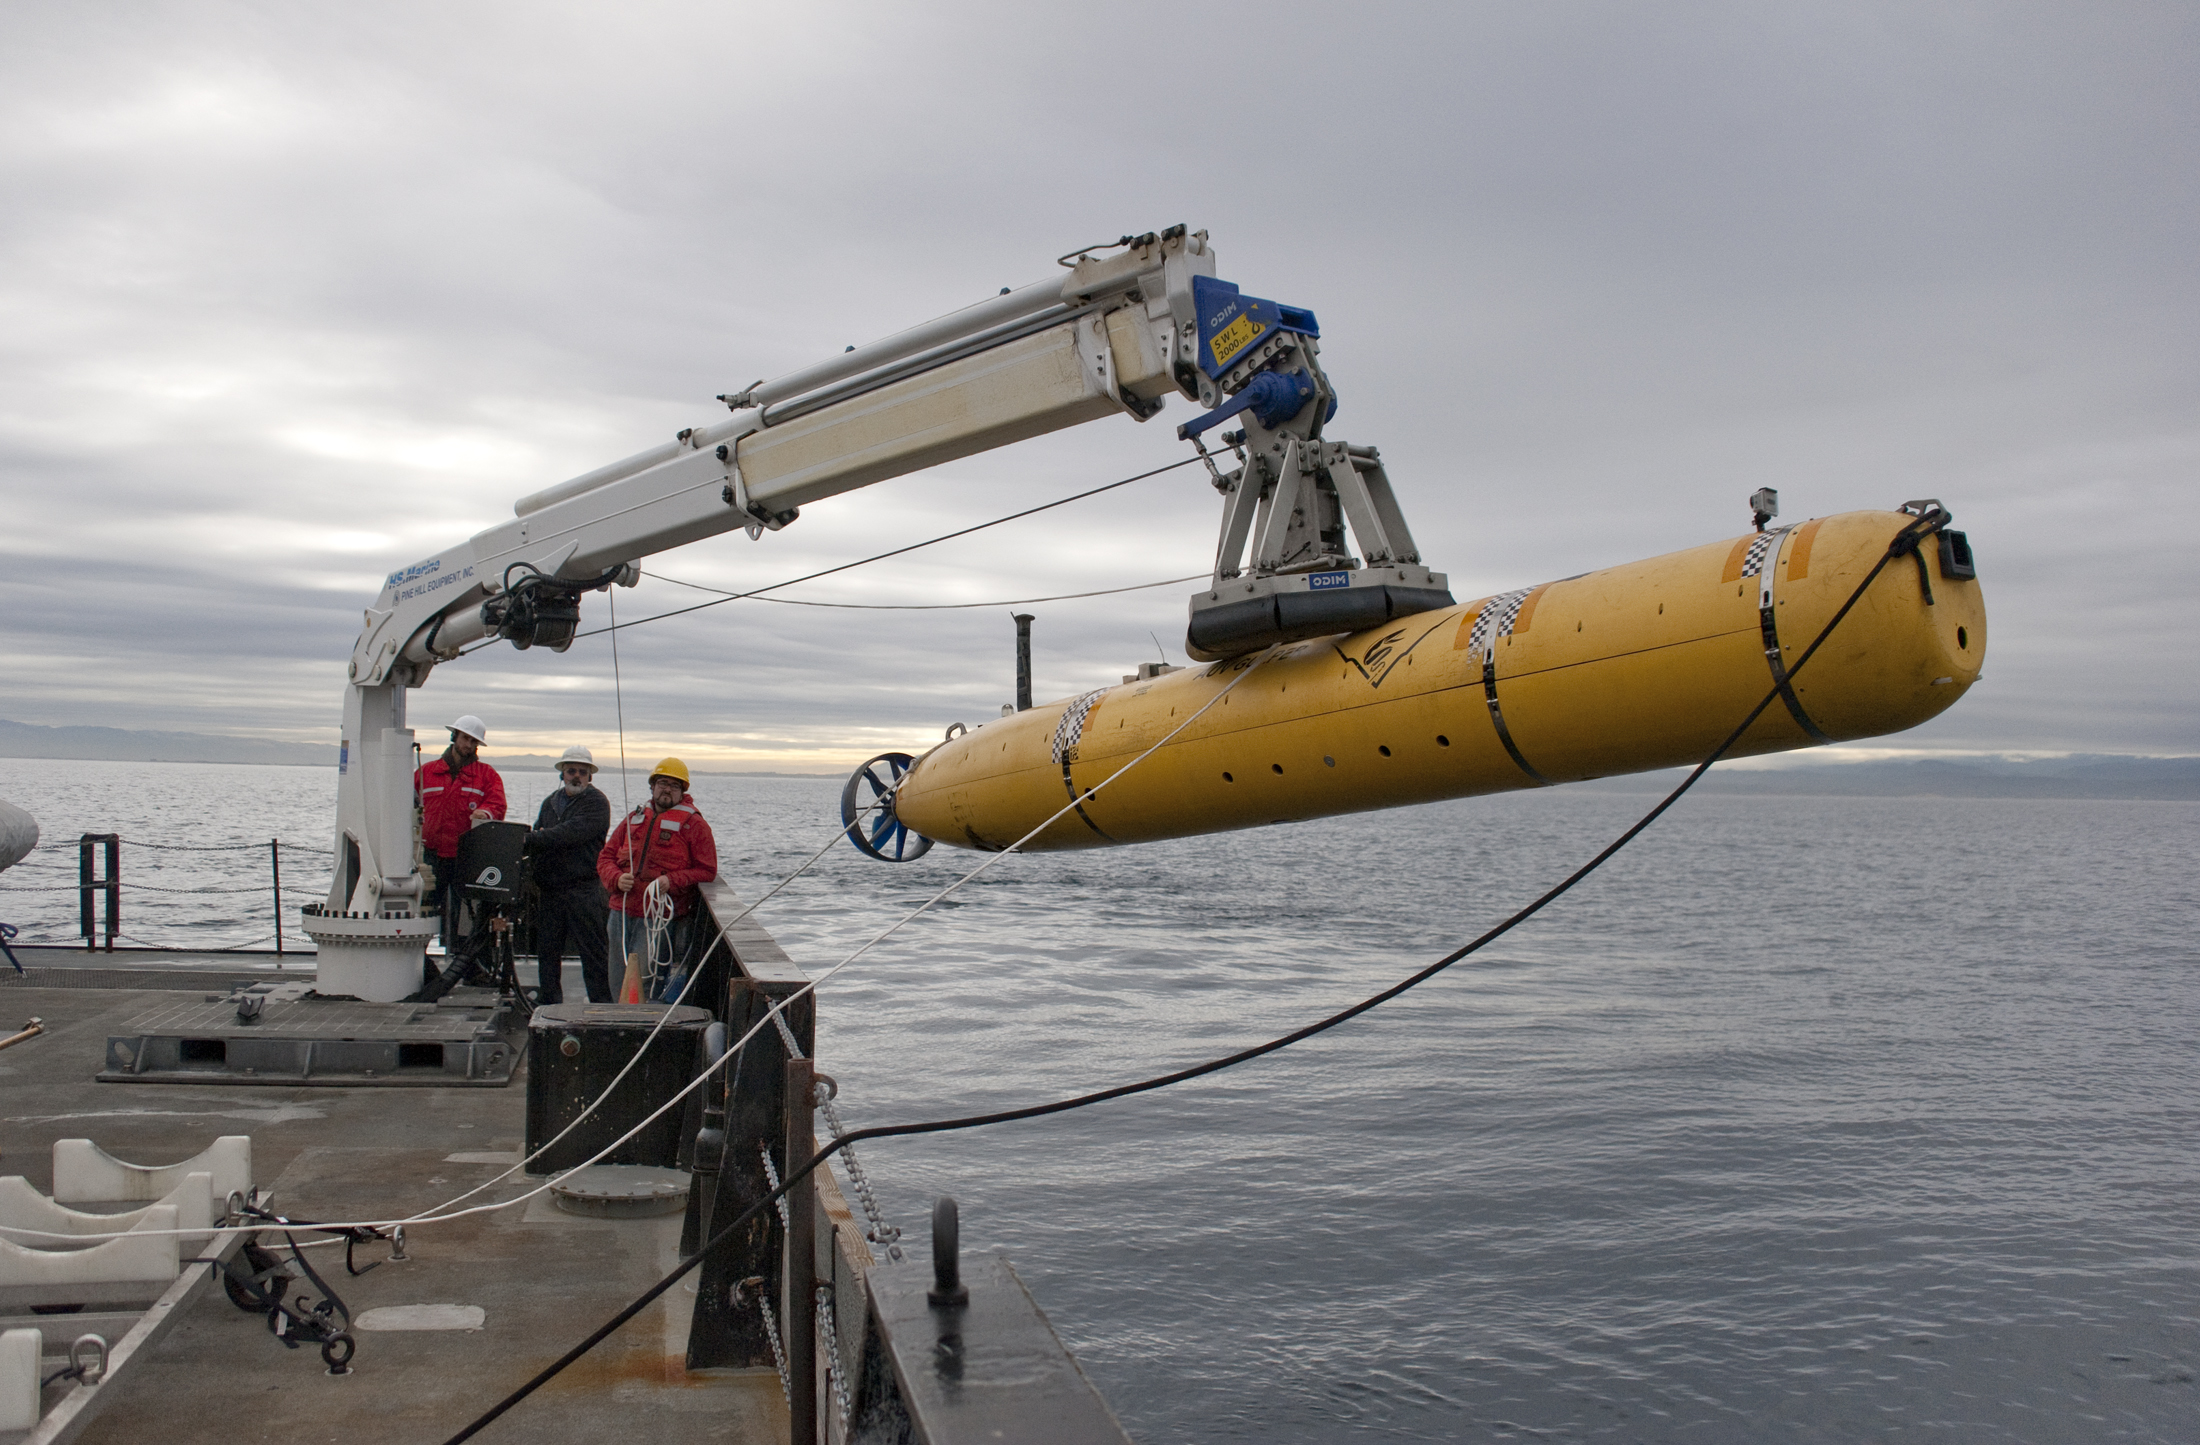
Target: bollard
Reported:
point(708, 1156)
point(947, 1290)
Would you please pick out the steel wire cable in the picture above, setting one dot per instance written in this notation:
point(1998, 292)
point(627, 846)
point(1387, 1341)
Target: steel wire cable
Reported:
point(896, 552)
point(772, 1015)
point(1904, 543)
point(929, 606)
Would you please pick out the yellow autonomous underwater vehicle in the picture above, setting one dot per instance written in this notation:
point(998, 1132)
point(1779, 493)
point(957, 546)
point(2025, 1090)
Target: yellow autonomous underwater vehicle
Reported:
point(1646, 665)
point(1344, 676)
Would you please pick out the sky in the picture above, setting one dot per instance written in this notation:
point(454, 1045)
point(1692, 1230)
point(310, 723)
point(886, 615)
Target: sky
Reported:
point(294, 296)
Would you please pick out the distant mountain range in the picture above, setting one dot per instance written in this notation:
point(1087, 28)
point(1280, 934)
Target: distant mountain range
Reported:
point(2076, 775)
point(126, 745)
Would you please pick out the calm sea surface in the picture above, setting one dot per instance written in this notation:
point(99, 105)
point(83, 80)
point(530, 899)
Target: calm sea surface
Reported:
point(1810, 1118)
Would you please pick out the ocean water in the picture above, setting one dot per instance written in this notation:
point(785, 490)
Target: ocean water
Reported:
point(1806, 1119)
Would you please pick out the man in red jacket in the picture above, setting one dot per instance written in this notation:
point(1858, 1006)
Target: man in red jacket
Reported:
point(455, 791)
point(663, 849)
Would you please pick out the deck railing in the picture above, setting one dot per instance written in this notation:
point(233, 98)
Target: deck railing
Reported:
point(868, 1348)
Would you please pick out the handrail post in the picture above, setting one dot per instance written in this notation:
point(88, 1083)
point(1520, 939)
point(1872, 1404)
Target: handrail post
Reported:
point(114, 888)
point(799, 1298)
point(275, 871)
point(89, 882)
point(84, 893)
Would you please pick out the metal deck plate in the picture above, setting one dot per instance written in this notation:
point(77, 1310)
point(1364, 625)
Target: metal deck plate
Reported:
point(621, 1191)
point(300, 1038)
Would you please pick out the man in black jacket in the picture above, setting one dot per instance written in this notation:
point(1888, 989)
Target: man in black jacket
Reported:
point(569, 832)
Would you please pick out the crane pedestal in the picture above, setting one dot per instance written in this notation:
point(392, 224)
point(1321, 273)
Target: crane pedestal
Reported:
point(377, 959)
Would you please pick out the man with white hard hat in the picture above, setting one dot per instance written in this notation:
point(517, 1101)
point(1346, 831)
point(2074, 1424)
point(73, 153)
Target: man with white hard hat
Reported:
point(568, 834)
point(455, 791)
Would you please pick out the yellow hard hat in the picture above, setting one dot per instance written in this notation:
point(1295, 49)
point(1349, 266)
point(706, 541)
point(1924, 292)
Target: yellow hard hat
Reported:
point(671, 768)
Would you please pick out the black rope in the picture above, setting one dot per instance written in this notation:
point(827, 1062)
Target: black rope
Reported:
point(1904, 542)
point(896, 552)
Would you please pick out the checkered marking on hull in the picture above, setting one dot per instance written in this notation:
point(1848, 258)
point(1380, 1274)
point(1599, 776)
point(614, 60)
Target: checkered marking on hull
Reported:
point(1071, 728)
point(1767, 544)
point(1495, 621)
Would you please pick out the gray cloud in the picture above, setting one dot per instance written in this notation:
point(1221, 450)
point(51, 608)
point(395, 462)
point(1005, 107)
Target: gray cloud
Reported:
point(295, 297)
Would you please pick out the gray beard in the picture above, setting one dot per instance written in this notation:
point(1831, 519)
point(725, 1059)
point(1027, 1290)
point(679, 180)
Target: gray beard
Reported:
point(574, 790)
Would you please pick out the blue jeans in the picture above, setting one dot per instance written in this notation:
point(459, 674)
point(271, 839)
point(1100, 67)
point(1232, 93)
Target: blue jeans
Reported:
point(630, 935)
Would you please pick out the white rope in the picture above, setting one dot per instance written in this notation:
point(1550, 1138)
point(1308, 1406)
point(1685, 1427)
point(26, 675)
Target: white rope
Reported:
point(656, 923)
point(776, 1007)
point(724, 931)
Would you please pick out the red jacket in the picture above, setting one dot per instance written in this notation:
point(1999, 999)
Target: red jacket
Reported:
point(675, 845)
point(447, 804)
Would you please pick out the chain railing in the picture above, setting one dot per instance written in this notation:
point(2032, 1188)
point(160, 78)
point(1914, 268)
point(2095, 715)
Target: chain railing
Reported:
point(828, 1335)
point(99, 886)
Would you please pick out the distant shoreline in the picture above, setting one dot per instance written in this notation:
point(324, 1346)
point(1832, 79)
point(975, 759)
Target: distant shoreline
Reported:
point(2095, 777)
point(1808, 773)
point(519, 764)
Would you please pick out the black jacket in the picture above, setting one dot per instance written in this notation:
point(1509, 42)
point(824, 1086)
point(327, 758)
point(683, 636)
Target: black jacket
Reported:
point(569, 832)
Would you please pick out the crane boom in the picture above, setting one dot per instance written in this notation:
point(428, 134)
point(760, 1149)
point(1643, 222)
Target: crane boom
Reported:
point(1116, 333)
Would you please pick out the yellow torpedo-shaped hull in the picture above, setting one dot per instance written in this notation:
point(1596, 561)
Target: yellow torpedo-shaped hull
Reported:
point(1648, 665)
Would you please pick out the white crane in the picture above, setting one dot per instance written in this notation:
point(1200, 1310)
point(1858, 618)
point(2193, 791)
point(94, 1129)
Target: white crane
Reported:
point(1115, 334)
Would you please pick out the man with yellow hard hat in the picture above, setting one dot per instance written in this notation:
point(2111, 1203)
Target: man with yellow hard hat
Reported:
point(662, 851)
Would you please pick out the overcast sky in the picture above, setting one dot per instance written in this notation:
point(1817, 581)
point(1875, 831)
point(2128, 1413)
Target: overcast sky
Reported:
point(295, 295)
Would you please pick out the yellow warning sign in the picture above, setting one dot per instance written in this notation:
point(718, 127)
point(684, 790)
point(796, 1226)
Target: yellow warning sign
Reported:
point(1234, 338)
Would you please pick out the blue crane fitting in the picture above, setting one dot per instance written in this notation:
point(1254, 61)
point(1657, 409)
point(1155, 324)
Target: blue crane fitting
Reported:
point(1273, 396)
point(1278, 396)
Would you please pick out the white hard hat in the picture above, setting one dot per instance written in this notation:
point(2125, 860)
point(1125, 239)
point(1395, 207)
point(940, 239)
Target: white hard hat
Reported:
point(578, 754)
point(472, 726)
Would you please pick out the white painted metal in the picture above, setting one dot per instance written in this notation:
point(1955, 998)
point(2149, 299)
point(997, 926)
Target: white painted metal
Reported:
point(369, 956)
point(18, 834)
point(137, 1267)
point(1098, 339)
point(30, 1218)
point(695, 439)
point(1023, 302)
point(84, 1173)
point(76, 1410)
point(19, 1392)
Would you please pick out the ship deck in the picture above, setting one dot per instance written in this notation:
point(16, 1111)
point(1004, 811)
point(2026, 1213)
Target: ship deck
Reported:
point(543, 1278)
